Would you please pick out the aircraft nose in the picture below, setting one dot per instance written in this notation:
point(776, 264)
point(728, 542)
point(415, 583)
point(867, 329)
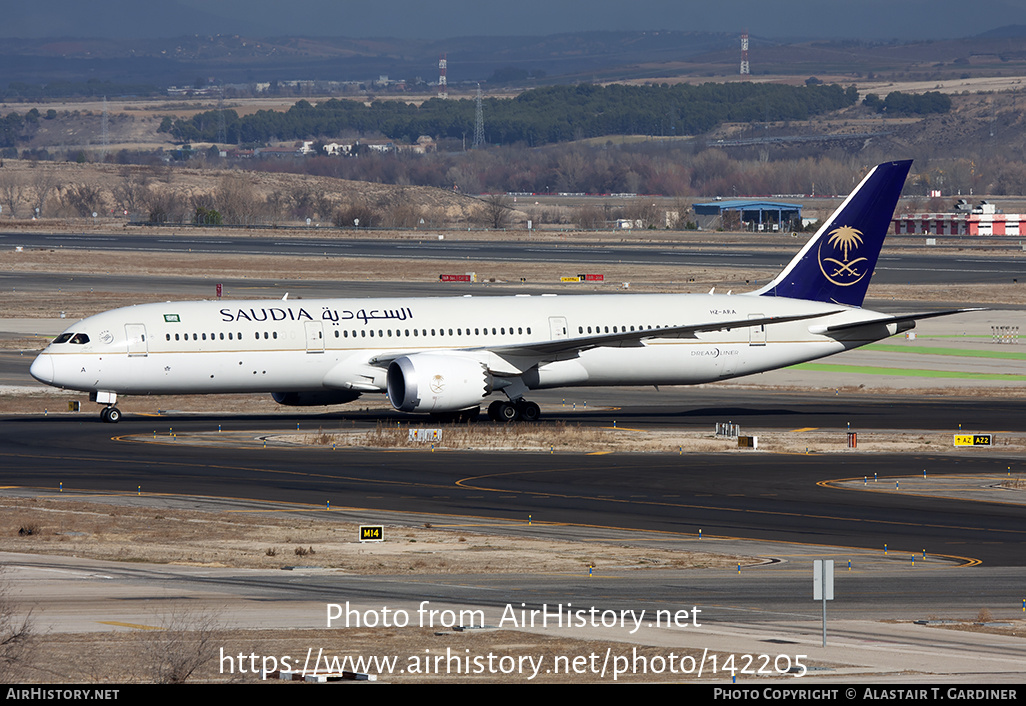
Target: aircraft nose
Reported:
point(42, 369)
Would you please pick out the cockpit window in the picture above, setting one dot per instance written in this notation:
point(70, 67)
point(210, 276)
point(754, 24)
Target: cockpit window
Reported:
point(63, 338)
point(79, 338)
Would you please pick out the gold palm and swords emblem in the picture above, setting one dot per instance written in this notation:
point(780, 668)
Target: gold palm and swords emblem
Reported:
point(843, 272)
point(437, 384)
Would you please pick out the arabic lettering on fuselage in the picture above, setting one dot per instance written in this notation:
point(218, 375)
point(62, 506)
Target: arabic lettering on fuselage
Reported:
point(327, 314)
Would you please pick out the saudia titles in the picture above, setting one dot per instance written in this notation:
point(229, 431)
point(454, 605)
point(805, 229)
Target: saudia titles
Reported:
point(843, 272)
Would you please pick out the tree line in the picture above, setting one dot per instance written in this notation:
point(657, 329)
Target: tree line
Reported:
point(898, 103)
point(539, 116)
point(93, 88)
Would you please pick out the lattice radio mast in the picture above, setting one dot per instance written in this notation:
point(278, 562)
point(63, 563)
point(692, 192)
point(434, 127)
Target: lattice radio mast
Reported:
point(443, 87)
point(479, 137)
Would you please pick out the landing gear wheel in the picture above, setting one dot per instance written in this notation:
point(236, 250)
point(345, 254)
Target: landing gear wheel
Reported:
point(506, 412)
point(111, 415)
point(528, 411)
point(493, 410)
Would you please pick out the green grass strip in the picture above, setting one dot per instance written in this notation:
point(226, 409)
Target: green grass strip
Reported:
point(905, 372)
point(935, 350)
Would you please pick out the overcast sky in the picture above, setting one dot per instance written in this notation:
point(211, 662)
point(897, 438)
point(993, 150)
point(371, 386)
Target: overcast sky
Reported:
point(857, 19)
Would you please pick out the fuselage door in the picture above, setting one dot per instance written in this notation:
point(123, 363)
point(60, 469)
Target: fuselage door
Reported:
point(136, 336)
point(757, 334)
point(557, 328)
point(314, 337)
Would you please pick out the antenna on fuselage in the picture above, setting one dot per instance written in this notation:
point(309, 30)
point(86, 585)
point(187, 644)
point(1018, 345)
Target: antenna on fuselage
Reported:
point(285, 297)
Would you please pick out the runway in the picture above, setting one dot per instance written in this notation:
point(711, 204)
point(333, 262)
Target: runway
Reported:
point(914, 263)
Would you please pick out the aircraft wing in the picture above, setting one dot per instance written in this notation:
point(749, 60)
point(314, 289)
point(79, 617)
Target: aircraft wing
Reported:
point(522, 356)
point(636, 338)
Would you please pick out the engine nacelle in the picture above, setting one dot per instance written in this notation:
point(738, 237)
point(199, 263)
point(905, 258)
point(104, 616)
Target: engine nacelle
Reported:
point(314, 399)
point(434, 382)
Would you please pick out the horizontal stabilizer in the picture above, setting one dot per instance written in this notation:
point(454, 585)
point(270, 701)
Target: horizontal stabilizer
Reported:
point(887, 320)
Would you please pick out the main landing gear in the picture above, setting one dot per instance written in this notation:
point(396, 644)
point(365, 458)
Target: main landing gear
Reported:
point(111, 415)
point(506, 411)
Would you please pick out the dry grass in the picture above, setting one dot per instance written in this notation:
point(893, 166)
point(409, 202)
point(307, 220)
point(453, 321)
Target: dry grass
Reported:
point(479, 436)
point(562, 437)
point(1013, 628)
point(266, 540)
point(114, 658)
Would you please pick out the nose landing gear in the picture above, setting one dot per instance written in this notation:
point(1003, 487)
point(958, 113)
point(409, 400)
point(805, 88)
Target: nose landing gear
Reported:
point(111, 415)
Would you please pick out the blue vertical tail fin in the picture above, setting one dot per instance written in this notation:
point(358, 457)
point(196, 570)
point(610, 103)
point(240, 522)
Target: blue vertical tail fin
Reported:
point(838, 261)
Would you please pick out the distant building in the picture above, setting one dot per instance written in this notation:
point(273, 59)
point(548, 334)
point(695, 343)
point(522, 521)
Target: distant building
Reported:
point(966, 220)
point(755, 216)
point(338, 149)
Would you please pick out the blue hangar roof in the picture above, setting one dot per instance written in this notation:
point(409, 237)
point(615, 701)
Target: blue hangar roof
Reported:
point(714, 208)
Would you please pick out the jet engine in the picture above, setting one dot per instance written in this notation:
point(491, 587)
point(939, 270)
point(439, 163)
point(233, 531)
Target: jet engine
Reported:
point(431, 382)
point(314, 399)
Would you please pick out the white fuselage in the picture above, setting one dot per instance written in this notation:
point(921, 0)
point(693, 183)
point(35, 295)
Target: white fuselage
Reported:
point(337, 344)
